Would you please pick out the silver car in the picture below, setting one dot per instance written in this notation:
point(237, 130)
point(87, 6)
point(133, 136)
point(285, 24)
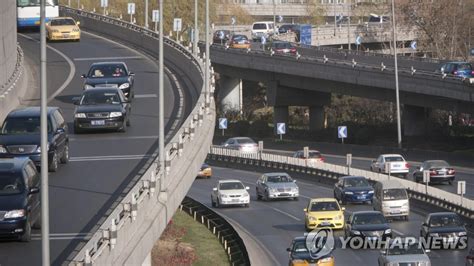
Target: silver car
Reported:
point(404, 253)
point(243, 144)
point(276, 186)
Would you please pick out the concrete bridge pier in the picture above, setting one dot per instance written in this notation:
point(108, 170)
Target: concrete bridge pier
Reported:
point(230, 93)
point(415, 120)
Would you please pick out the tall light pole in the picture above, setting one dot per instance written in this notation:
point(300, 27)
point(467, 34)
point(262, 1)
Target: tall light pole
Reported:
point(334, 7)
point(397, 91)
point(161, 101)
point(196, 31)
point(349, 12)
point(208, 58)
point(44, 141)
point(274, 16)
point(146, 14)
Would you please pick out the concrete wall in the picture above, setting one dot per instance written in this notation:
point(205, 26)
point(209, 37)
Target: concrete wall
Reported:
point(8, 54)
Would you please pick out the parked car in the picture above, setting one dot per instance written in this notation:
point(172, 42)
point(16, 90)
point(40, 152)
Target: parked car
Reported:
point(391, 198)
point(205, 171)
point(243, 144)
point(110, 74)
point(299, 255)
point(276, 186)
point(102, 108)
point(19, 198)
point(239, 41)
point(20, 136)
point(370, 225)
point(397, 165)
point(63, 28)
point(230, 192)
point(225, 34)
point(440, 171)
point(324, 213)
point(459, 69)
point(353, 189)
point(405, 253)
point(262, 28)
point(314, 156)
point(445, 226)
point(281, 47)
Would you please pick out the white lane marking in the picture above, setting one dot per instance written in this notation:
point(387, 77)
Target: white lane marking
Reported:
point(107, 58)
point(146, 96)
point(72, 68)
point(398, 232)
point(109, 158)
point(111, 138)
point(287, 214)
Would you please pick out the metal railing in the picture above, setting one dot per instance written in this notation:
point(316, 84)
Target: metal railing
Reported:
point(418, 191)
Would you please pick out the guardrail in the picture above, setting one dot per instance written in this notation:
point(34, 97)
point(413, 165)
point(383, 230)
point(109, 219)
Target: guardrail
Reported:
point(230, 240)
point(418, 191)
point(129, 231)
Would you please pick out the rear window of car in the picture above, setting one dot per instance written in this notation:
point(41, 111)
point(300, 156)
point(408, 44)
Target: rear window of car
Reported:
point(394, 159)
point(314, 154)
point(62, 22)
point(245, 141)
point(259, 26)
point(438, 164)
point(239, 38)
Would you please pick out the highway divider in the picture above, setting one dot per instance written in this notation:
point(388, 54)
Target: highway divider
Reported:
point(229, 238)
point(421, 192)
point(128, 231)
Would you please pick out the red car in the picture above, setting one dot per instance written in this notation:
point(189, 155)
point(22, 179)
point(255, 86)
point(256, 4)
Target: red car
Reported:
point(281, 47)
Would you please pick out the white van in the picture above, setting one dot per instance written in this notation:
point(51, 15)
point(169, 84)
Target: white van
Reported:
point(391, 198)
point(262, 28)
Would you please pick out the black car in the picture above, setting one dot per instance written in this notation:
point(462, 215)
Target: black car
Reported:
point(353, 189)
point(368, 225)
point(445, 227)
point(299, 254)
point(20, 136)
point(102, 108)
point(110, 74)
point(440, 171)
point(285, 28)
point(19, 198)
point(221, 36)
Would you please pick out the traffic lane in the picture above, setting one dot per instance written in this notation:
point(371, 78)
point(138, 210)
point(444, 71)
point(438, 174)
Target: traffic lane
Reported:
point(293, 210)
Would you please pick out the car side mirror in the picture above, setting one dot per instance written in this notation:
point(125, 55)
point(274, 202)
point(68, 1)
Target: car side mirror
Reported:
point(343, 208)
point(214, 189)
point(34, 190)
point(383, 252)
point(78, 23)
point(288, 249)
point(76, 100)
point(247, 188)
point(305, 210)
point(84, 76)
point(131, 74)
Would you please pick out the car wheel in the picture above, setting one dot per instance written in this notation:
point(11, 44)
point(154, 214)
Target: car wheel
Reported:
point(65, 157)
point(128, 122)
point(212, 202)
point(26, 237)
point(53, 165)
point(259, 197)
point(37, 224)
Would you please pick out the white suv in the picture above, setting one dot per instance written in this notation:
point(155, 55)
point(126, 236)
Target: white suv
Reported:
point(396, 162)
point(230, 192)
point(262, 28)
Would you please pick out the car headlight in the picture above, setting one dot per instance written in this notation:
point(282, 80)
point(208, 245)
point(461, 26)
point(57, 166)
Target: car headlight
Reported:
point(348, 193)
point(355, 232)
point(245, 195)
point(311, 218)
point(38, 149)
point(388, 231)
point(434, 234)
point(3, 149)
point(124, 86)
point(55, 31)
point(15, 214)
point(273, 190)
point(76, 30)
point(223, 195)
point(462, 234)
point(87, 86)
point(80, 115)
point(115, 114)
point(295, 189)
point(371, 192)
point(339, 217)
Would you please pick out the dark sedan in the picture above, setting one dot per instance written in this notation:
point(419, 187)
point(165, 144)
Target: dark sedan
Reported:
point(221, 36)
point(102, 108)
point(445, 229)
point(110, 74)
point(440, 171)
point(370, 225)
point(299, 254)
point(353, 189)
point(281, 47)
point(460, 69)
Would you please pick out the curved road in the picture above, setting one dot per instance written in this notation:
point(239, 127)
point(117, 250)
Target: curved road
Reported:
point(274, 224)
point(103, 166)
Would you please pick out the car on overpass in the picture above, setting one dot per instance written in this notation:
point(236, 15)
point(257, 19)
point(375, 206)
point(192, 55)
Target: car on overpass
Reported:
point(370, 225)
point(242, 144)
point(312, 157)
point(221, 36)
point(353, 189)
point(282, 47)
point(276, 186)
point(324, 213)
point(20, 136)
point(262, 29)
point(63, 29)
point(101, 108)
point(110, 74)
point(404, 252)
point(230, 192)
point(19, 198)
point(205, 171)
point(239, 41)
point(439, 171)
point(286, 28)
point(459, 69)
point(391, 198)
point(394, 164)
point(444, 226)
point(299, 255)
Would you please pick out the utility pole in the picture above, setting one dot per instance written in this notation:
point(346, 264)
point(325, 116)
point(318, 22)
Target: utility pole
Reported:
point(161, 101)
point(208, 58)
point(334, 7)
point(146, 14)
point(274, 16)
point(44, 141)
point(349, 25)
point(397, 91)
point(196, 31)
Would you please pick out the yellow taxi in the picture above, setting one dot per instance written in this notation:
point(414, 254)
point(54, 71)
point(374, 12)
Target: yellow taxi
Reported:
point(239, 42)
point(205, 172)
point(299, 255)
point(324, 213)
point(63, 28)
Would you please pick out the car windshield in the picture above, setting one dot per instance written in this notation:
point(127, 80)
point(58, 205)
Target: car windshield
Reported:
point(92, 97)
point(300, 247)
point(410, 249)
point(10, 184)
point(281, 45)
point(437, 164)
point(231, 185)
point(324, 206)
point(356, 182)
point(259, 26)
point(62, 22)
point(394, 159)
point(368, 218)
point(245, 141)
point(394, 194)
point(107, 71)
point(279, 179)
point(445, 221)
point(22, 126)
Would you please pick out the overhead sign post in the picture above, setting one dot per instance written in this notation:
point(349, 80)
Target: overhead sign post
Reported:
point(349, 162)
point(461, 189)
point(131, 11)
point(281, 129)
point(177, 25)
point(104, 4)
point(223, 124)
point(426, 179)
point(342, 133)
point(233, 20)
point(155, 17)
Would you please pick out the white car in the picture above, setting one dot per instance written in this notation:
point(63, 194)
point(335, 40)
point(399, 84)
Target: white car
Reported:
point(262, 28)
point(230, 192)
point(397, 165)
point(243, 144)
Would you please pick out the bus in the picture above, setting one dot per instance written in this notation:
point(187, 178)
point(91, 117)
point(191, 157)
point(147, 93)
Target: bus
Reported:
point(28, 12)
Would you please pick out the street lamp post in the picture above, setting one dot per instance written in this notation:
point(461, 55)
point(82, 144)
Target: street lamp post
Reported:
point(397, 91)
point(196, 31)
point(208, 58)
point(274, 16)
point(146, 14)
point(161, 115)
point(349, 11)
point(334, 7)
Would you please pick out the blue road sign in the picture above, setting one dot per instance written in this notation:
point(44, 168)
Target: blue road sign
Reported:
point(342, 132)
point(358, 40)
point(305, 34)
point(221, 35)
point(413, 45)
point(233, 20)
point(472, 51)
point(280, 18)
point(263, 40)
point(222, 123)
point(281, 128)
